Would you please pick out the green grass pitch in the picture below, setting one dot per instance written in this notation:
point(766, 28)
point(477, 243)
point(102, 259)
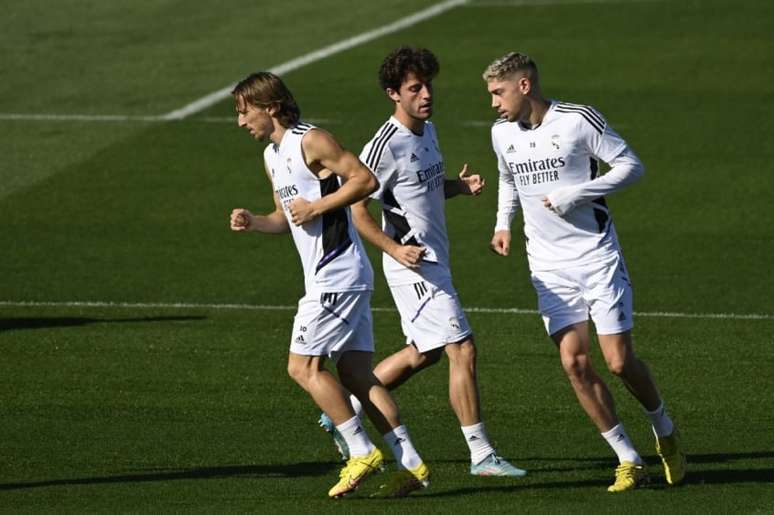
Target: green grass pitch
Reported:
point(153, 407)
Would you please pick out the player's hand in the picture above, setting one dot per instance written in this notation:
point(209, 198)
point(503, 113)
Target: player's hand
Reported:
point(501, 242)
point(408, 255)
point(301, 211)
point(470, 184)
point(562, 200)
point(240, 219)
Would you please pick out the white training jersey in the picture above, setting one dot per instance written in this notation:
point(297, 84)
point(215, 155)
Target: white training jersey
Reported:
point(331, 252)
point(563, 150)
point(411, 190)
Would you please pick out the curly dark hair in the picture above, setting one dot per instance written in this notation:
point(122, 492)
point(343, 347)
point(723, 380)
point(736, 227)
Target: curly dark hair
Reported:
point(404, 60)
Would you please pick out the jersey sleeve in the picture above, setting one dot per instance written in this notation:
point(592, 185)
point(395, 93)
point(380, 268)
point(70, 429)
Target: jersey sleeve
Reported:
point(507, 194)
point(383, 167)
point(602, 140)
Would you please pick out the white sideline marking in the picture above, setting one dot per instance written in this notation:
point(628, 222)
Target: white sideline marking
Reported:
point(538, 3)
point(79, 117)
point(132, 118)
point(269, 307)
point(216, 96)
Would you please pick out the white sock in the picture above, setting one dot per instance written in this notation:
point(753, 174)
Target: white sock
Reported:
point(405, 455)
point(660, 421)
point(478, 442)
point(357, 439)
point(356, 405)
point(622, 446)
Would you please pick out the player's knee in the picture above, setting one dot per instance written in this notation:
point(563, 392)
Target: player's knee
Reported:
point(299, 372)
point(576, 366)
point(617, 366)
point(463, 353)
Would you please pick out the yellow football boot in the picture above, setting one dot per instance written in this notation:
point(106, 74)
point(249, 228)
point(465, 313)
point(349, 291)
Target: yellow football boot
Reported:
point(403, 482)
point(628, 476)
point(668, 449)
point(355, 471)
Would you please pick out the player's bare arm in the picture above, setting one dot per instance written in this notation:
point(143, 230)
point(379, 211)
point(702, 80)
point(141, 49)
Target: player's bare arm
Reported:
point(464, 184)
point(275, 222)
point(324, 156)
point(407, 255)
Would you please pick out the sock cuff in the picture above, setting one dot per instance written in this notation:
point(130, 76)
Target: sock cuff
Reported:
point(399, 431)
point(612, 431)
point(348, 424)
point(471, 429)
point(656, 411)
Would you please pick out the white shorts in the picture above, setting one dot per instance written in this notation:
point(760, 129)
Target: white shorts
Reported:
point(430, 314)
point(329, 324)
point(569, 296)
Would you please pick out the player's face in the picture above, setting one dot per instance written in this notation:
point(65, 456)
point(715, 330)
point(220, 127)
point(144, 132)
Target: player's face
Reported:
point(415, 97)
point(255, 119)
point(509, 97)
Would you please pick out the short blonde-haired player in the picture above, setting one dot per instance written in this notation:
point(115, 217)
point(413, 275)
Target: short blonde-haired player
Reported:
point(548, 155)
point(314, 181)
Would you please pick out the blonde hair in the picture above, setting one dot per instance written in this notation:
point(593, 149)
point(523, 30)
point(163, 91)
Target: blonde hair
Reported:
point(264, 89)
point(510, 64)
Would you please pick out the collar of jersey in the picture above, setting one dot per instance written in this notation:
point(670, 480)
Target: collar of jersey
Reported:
point(405, 129)
point(549, 112)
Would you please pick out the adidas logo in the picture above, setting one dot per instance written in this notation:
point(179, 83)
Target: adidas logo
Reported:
point(620, 437)
point(358, 430)
point(621, 317)
point(300, 339)
point(399, 441)
point(413, 158)
point(511, 150)
point(473, 438)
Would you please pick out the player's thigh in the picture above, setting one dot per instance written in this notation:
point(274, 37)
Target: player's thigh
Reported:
point(608, 292)
point(431, 314)
point(560, 301)
point(303, 367)
point(574, 343)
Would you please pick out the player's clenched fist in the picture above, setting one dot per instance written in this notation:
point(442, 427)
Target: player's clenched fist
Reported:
point(301, 211)
point(241, 219)
point(501, 242)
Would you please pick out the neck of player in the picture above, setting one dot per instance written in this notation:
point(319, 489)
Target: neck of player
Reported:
point(537, 109)
point(415, 125)
point(278, 132)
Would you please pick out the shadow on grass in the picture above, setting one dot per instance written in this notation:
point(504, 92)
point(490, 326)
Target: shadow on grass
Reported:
point(15, 324)
point(694, 477)
point(296, 470)
point(531, 482)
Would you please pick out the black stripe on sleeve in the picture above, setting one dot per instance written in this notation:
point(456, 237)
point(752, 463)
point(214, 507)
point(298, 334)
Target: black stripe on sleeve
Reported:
point(376, 139)
point(593, 113)
point(593, 121)
point(375, 155)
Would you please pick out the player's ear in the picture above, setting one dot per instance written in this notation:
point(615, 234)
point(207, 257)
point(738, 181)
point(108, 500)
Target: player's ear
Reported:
point(394, 95)
point(525, 85)
point(272, 109)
